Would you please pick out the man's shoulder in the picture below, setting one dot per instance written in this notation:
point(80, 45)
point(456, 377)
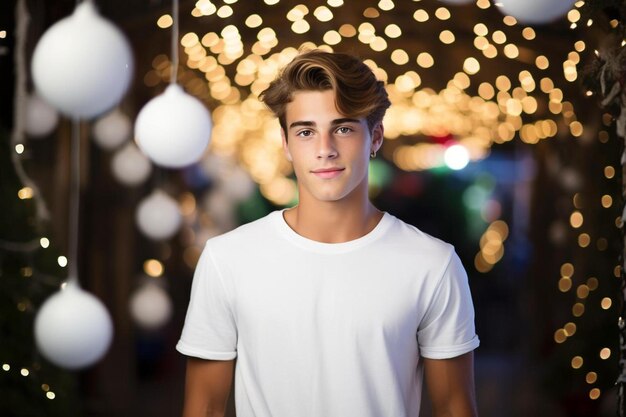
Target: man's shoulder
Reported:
point(248, 233)
point(412, 239)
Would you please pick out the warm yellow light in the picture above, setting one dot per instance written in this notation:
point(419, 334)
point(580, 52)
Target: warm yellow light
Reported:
point(442, 13)
point(481, 30)
point(24, 372)
point(347, 30)
point(225, 11)
point(607, 201)
point(576, 219)
point(266, 35)
point(189, 39)
point(399, 57)
point(446, 37)
point(165, 21)
point(471, 65)
point(582, 291)
point(542, 62)
point(594, 394)
point(153, 268)
point(503, 83)
point(323, 14)
point(578, 309)
point(609, 171)
point(573, 16)
point(254, 21)
point(19, 149)
point(386, 5)
point(528, 33)
point(393, 31)
point(44, 242)
point(511, 51)
point(490, 51)
point(50, 395)
point(605, 353)
point(560, 336)
point(371, 13)
point(591, 377)
point(570, 329)
point(565, 284)
point(606, 303)
point(378, 43)
point(62, 261)
point(481, 43)
point(577, 362)
point(332, 37)
point(335, 3)
point(25, 193)
point(567, 269)
point(486, 91)
point(498, 37)
point(300, 26)
point(3, 34)
point(420, 15)
point(425, 60)
point(483, 4)
point(579, 46)
point(297, 13)
point(576, 128)
point(509, 20)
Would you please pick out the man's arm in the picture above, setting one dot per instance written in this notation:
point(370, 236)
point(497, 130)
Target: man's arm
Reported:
point(207, 386)
point(450, 385)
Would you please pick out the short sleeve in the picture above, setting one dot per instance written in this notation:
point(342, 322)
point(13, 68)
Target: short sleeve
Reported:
point(447, 329)
point(210, 330)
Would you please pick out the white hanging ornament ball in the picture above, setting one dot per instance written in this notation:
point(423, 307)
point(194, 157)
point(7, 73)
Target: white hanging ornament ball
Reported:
point(41, 118)
point(158, 216)
point(535, 11)
point(150, 306)
point(130, 166)
point(112, 130)
point(82, 64)
point(73, 329)
point(174, 128)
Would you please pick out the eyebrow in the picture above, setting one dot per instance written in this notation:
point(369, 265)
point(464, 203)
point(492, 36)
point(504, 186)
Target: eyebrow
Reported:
point(333, 123)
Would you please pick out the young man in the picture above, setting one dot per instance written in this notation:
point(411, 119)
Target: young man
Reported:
point(332, 308)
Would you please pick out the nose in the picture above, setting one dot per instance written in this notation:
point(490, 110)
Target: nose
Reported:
point(326, 147)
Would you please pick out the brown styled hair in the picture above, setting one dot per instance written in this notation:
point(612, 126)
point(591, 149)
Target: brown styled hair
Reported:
point(357, 91)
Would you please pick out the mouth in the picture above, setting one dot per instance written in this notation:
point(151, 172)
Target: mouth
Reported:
point(327, 173)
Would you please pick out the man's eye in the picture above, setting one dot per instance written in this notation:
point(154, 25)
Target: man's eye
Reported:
point(305, 133)
point(344, 130)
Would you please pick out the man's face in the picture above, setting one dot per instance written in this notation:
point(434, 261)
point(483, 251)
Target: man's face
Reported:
point(330, 152)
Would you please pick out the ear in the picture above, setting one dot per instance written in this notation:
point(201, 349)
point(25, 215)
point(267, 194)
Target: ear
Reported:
point(283, 136)
point(378, 134)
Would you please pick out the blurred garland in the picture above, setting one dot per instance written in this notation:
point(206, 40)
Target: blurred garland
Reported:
point(605, 77)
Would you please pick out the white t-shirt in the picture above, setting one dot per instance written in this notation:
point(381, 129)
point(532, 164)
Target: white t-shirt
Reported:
point(328, 329)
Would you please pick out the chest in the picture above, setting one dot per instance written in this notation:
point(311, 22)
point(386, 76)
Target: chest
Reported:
point(330, 300)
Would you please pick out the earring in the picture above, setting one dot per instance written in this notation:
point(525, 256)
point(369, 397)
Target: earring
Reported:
point(372, 154)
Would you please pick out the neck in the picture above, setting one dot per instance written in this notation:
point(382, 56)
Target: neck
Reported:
point(334, 221)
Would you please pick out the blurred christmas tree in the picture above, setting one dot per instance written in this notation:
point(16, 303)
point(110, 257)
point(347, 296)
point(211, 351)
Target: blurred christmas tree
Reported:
point(29, 261)
point(29, 273)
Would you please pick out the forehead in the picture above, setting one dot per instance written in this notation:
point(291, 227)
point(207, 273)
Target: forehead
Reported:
point(316, 106)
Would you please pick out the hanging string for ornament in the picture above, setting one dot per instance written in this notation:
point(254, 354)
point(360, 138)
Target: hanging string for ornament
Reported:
point(22, 19)
point(174, 43)
point(74, 206)
point(174, 128)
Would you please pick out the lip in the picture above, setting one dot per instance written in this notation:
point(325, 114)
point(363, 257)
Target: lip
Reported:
point(328, 173)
